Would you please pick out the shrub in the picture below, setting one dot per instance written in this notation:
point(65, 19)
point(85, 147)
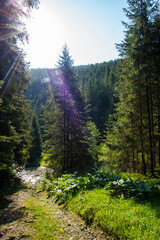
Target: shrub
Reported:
point(130, 188)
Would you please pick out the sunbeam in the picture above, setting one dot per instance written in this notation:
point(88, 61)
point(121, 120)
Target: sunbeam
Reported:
point(11, 72)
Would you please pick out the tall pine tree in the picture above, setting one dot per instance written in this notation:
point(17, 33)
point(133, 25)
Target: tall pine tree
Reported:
point(133, 136)
point(69, 120)
point(13, 111)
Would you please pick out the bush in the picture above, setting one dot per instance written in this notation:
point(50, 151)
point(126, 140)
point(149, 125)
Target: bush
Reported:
point(69, 185)
point(130, 188)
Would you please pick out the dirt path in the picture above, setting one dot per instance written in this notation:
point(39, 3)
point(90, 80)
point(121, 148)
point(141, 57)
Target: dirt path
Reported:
point(19, 220)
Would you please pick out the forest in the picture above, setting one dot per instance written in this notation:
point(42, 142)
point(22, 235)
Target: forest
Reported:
point(79, 118)
point(89, 119)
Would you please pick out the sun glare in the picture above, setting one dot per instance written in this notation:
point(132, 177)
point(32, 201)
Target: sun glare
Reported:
point(45, 36)
point(87, 28)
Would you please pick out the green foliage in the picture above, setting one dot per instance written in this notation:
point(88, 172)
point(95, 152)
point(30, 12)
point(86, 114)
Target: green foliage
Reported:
point(97, 84)
point(53, 147)
point(66, 146)
point(136, 220)
point(6, 177)
point(102, 198)
point(132, 141)
point(94, 138)
point(14, 136)
point(69, 185)
point(36, 142)
point(130, 188)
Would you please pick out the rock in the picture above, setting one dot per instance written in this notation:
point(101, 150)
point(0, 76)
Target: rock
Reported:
point(29, 221)
point(24, 236)
point(11, 238)
point(10, 227)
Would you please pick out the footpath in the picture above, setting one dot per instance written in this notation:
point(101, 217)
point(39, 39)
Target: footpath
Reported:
point(29, 214)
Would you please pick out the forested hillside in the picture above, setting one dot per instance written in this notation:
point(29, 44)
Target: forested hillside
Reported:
point(79, 103)
point(96, 83)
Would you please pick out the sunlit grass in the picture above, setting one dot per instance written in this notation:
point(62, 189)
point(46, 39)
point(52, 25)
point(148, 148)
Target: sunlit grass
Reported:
point(123, 218)
point(127, 208)
point(41, 221)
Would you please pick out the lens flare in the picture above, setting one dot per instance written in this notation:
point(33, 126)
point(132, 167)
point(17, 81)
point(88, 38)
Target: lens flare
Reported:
point(56, 79)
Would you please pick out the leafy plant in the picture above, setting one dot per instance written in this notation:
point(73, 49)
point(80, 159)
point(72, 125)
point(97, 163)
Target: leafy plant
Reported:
point(130, 188)
point(71, 184)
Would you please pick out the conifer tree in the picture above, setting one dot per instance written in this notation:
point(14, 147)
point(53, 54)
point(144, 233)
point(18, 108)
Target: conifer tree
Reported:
point(53, 147)
point(13, 111)
point(76, 154)
point(67, 148)
point(133, 135)
point(36, 141)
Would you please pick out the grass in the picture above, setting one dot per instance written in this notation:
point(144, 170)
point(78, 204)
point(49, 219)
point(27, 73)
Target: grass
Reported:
point(125, 208)
point(122, 218)
point(41, 220)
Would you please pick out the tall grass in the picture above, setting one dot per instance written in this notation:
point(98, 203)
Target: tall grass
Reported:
point(126, 208)
point(122, 218)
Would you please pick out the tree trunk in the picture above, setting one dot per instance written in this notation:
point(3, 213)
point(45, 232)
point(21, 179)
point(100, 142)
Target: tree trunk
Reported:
point(149, 126)
point(141, 134)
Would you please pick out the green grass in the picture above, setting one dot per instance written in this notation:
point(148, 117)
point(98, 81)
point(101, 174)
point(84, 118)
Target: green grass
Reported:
point(41, 221)
point(123, 218)
point(127, 208)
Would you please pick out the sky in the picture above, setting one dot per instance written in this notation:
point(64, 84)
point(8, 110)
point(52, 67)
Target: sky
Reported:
point(90, 28)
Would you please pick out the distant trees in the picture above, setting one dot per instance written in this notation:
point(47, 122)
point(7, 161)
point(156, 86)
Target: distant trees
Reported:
point(133, 142)
point(97, 84)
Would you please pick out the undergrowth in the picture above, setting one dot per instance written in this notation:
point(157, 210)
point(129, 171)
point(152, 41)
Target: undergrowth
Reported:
point(69, 185)
point(127, 208)
point(122, 218)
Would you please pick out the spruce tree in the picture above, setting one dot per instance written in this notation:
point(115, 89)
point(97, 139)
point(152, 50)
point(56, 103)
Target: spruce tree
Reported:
point(13, 111)
point(76, 146)
point(133, 135)
point(53, 147)
point(67, 148)
point(36, 142)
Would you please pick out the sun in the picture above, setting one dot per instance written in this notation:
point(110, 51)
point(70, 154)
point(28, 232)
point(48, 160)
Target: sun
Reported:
point(46, 36)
